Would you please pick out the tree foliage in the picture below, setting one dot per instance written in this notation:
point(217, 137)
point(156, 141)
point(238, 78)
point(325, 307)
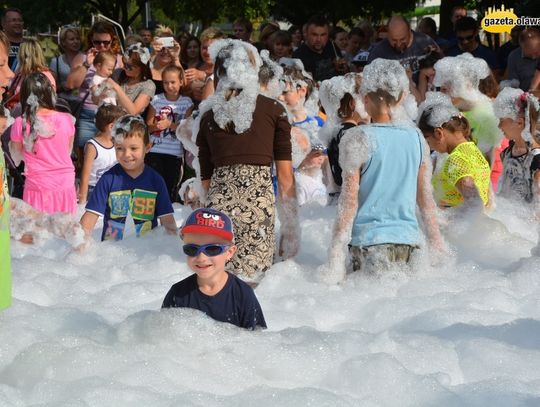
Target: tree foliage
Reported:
point(299, 11)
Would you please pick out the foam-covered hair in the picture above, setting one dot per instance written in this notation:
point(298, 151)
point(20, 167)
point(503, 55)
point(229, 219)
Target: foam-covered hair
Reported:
point(141, 50)
point(124, 125)
point(512, 103)
point(272, 72)
point(508, 104)
point(438, 108)
point(461, 74)
point(237, 76)
point(333, 90)
point(387, 75)
point(241, 62)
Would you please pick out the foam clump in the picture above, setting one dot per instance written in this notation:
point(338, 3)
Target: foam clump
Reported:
point(438, 106)
point(237, 85)
point(385, 74)
point(461, 75)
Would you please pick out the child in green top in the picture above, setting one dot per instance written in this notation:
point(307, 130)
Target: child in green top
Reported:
point(465, 174)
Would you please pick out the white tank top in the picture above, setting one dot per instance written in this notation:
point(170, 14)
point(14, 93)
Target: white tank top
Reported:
point(105, 159)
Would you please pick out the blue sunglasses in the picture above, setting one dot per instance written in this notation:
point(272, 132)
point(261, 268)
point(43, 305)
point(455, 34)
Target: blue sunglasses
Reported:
point(210, 250)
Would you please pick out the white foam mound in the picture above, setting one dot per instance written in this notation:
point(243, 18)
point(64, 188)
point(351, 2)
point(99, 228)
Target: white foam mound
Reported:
point(86, 330)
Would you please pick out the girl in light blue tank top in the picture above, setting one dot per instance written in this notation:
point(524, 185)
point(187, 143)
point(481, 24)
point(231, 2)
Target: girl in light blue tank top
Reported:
point(386, 173)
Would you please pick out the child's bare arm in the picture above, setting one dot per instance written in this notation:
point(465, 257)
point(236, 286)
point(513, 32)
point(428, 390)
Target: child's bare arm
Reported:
point(428, 208)
point(88, 221)
point(287, 210)
point(168, 222)
point(151, 119)
point(90, 154)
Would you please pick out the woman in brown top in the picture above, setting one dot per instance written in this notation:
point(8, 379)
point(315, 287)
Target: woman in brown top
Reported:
point(241, 134)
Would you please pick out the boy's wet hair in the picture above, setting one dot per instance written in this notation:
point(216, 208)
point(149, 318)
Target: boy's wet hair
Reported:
point(107, 114)
point(130, 126)
point(296, 78)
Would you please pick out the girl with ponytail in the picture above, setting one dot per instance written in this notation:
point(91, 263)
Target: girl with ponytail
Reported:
point(43, 138)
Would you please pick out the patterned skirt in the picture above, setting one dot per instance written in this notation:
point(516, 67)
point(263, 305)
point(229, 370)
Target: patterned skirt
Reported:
point(244, 192)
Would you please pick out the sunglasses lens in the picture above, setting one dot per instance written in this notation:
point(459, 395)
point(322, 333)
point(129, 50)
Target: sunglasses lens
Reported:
point(210, 250)
point(213, 250)
point(190, 250)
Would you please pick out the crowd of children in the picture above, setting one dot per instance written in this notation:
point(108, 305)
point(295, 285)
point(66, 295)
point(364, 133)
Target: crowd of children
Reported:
point(389, 164)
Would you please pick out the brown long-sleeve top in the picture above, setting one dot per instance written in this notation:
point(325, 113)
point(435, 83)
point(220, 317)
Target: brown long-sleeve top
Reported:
point(268, 139)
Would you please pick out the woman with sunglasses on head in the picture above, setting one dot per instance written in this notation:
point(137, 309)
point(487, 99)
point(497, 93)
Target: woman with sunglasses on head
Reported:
point(101, 37)
point(135, 88)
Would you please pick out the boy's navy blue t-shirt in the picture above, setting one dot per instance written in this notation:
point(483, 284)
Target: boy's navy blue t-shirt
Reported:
point(235, 303)
point(117, 194)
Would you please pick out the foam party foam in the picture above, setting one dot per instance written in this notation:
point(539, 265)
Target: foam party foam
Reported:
point(439, 109)
point(87, 330)
point(461, 76)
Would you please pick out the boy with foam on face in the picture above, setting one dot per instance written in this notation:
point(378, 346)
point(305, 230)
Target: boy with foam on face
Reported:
point(208, 244)
point(130, 188)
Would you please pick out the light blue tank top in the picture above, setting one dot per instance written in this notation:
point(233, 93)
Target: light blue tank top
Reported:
point(387, 195)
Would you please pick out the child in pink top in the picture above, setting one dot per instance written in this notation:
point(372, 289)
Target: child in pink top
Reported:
point(45, 145)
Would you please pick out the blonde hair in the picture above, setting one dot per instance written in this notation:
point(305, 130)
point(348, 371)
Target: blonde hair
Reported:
point(212, 33)
point(4, 40)
point(31, 58)
point(63, 34)
point(163, 31)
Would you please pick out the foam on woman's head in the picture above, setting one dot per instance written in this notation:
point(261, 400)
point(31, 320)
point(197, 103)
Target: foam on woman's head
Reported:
point(239, 60)
point(461, 75)
point(236, 70)
point(386, 75)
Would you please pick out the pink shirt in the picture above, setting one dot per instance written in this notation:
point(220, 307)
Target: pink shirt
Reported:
point(49, 165)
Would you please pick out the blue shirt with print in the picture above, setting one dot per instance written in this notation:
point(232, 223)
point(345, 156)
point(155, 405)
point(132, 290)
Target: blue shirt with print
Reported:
point(118, 195)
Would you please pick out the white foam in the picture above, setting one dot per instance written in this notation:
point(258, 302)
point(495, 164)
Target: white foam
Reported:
point(86, 330)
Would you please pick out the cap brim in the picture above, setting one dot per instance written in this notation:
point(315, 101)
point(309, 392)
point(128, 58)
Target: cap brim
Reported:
point(205, 230)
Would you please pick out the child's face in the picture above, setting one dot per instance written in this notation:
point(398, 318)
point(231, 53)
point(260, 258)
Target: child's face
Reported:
point(130, 154)
point(208, 267)
point(292, 96)
point(511, 128)
point(172, 83)
point(281, 50)
point(106, 68)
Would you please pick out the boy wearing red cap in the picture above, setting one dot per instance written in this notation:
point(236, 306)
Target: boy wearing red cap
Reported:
point(208, 244)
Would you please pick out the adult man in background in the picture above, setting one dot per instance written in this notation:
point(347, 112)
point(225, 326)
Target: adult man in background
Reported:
point(242, 29)
point(403, 44)
point(13, 26)
point(319, 55)
point(523, 60)
point(468, 41)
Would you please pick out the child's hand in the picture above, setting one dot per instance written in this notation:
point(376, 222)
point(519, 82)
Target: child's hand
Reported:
point(163, 124)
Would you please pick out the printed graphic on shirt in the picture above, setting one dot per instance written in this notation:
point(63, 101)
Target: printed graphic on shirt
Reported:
point(140, 204)
point(119, 202)
point(143, 204)
point(166, 113)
